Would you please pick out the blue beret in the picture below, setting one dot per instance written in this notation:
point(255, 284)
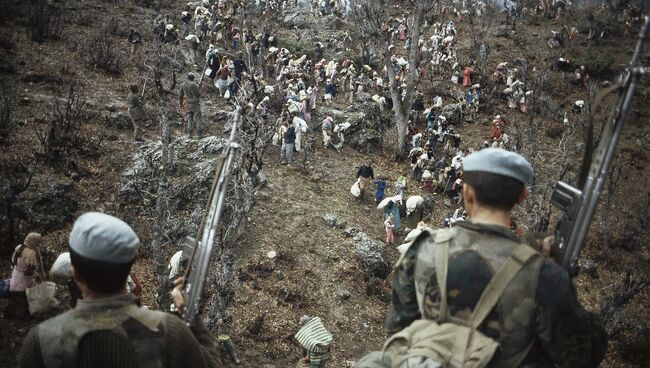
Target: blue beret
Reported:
point(501, 162)
point(102, 237)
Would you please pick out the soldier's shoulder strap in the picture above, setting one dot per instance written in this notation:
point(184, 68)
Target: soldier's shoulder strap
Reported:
point(431, 256)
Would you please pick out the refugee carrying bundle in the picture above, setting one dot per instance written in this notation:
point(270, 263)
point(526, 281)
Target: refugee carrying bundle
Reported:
point(293, 108)
point(314, 337)
point(451, 342)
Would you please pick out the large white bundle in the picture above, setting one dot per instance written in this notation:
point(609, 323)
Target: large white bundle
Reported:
point(342, 127)
point(300, 124)
point(42, 298)
point(395, 199)
point(355, 190)
point(293, 108)
point(60, 270)
point(412, 203)
point(412, 235)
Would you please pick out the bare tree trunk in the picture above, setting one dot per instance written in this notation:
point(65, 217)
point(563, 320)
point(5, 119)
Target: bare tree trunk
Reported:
point(401, 108)
point(160, 220)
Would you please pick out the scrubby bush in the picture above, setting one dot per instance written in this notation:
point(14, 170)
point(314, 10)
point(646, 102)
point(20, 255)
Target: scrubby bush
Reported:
point(298, 46)
point(103, 53)
point(68, 115)
point(7, 123)
point(114, 27)
point(44, 22)
point(597, 62)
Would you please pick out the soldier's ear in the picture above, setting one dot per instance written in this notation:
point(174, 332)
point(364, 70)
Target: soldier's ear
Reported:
point(523, 195)
point(469, 195)
point(76, 276)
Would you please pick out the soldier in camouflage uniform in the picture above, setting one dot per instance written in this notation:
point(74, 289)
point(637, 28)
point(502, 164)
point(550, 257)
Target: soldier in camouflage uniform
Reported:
point(192, 95)
point(538, 320)
point(136, 112)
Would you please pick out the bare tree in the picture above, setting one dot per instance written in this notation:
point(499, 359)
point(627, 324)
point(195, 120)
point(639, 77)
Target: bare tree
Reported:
point(621, 294)
point(162, 205)
point(553, 160)
point(102, 51)
point(7, 122)
point(254, 137)
point(45, 21)
point(374, 15)
point(480, 24)
point(68, 115)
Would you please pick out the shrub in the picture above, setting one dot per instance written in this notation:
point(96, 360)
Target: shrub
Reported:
point(68, 115)
point(7, 123)
point(44, 22)
point(597, 62)
point(115, 28)
point(103, 53)
point(298, 46)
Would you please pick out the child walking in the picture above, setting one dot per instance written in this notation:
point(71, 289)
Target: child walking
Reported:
point(389, 224)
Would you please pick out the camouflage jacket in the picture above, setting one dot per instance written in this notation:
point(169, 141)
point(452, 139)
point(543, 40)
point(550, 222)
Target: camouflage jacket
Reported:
point(190, 91)
point(562, 332)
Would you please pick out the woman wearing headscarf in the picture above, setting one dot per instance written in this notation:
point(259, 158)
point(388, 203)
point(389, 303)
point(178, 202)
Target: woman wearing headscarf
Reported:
point(24, 262)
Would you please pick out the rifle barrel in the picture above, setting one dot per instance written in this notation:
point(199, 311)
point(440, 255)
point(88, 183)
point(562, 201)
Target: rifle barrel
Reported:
point(199, 263)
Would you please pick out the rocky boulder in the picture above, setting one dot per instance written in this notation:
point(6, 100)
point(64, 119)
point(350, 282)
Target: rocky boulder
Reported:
point(48, 209)
point(363, 133)
point(194, 164)
point(118, 120)
point(296, 17)
point(370, 254)
point(453, 113)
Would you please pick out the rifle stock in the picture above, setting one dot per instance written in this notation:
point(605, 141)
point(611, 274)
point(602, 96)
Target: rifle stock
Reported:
point(579, 205)
point(199, 260)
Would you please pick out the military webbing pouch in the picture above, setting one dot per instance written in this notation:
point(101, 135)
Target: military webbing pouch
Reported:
point(452, 342)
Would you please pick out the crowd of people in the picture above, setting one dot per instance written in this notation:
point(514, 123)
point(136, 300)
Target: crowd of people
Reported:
point(291, 88)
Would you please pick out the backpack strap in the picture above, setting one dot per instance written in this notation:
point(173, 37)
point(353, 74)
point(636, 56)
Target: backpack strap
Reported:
point(432, 254)
point(441, 255)
point(492, 293)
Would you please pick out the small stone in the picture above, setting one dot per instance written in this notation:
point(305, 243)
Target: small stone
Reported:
point(590, 268)
point(330, 219)
point(331, 255)
point(351, 231)
point(344, 294)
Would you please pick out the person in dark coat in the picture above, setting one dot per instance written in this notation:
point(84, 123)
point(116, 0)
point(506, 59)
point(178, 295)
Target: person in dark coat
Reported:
point(288, 144)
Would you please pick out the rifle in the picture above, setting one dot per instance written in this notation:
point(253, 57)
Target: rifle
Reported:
point(199, 260)
point(579, 205)
point(205, 67)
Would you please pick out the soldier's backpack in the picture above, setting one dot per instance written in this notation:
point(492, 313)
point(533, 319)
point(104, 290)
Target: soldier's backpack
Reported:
point(451, 342)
